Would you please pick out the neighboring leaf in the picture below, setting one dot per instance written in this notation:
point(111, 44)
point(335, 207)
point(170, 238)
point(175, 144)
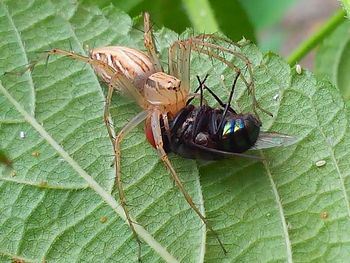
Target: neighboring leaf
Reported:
point(167, 13)
point(264, 13)
point(225, 16)
point(346, 6)
point(332, 58)
point(233, 20)
point(283, 209)
point(177, 16)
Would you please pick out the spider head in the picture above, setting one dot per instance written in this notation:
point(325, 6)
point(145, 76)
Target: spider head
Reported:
point(165, 91)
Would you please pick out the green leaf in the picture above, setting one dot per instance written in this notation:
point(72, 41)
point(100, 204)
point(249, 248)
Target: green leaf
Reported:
point(283, 209)
point(286, 204)
point(48, 211)
point(332, 58)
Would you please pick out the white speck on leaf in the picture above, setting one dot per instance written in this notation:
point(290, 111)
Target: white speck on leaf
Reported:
point(22, 134)
point(298, 69)
point(320, 163)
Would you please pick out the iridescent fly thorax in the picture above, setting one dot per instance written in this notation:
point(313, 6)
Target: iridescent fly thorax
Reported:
point(239, 132)
point(232, 126)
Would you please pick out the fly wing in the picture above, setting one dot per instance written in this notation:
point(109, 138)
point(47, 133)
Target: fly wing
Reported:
point(273, 139)
point(219, 154)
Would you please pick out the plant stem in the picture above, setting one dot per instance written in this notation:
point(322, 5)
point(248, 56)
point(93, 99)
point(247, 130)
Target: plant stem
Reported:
point(201, 16)
point(316, 38)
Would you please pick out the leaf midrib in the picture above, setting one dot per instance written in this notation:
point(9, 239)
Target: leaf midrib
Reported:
point(107, 197)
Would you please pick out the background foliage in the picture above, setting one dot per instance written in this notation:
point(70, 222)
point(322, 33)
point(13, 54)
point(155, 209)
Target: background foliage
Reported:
point(285, 209)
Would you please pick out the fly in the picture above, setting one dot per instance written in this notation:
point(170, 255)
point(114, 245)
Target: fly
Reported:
point(203, 132)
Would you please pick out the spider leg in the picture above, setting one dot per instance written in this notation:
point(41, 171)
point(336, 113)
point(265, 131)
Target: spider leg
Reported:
point(107, 73)
point(106, 114)
point(117, 143)
point(172, 59)
point(119, 81)
point(166, 125)
point(93, 62)
point(216, 37)
point(149, 42)
point(205, 47)
point(179, 63)
point(250, 85)
point(157, 135)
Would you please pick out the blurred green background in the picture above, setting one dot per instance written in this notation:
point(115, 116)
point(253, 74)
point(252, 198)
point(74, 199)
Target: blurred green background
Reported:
point(276, 25)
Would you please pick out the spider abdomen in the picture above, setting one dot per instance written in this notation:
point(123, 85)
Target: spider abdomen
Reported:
point(132, 63)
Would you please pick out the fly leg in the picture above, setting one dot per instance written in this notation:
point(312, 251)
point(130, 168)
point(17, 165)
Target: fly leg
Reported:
point(157, 135)
point(140, 117)
point(149, 42)
point(218, 100)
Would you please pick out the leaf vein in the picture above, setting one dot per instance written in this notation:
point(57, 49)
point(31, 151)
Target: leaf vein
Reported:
point(287, 240)
point(23, 51)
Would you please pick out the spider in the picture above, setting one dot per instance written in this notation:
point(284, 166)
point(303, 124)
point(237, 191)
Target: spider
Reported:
point(160, 95)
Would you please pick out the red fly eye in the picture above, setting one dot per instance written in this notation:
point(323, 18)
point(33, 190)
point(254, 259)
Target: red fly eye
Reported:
point(149, 133)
